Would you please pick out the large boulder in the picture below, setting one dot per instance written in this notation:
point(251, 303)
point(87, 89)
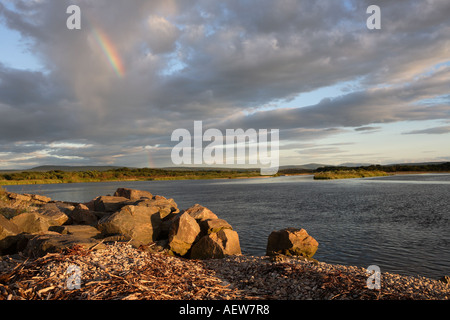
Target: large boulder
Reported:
point(183, 232)
point(213, 225)
point(55, 216)
point(132, 194)
point(200, 213)
point(7, 228)
point(141, 224)
point(291, 241)
point(50, 242)
point(217, 245)
point(83, 231)
point(82, 215)
point(167, 207)
point(31, 222)
point(7, 232)
point(110, 204)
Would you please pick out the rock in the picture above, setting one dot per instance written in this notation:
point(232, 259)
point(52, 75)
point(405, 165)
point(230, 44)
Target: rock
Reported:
point(291, 241)
point(83, 231)
point(217, 245)
point(199, 212)
point(82, 215)
point(208, 247)
point(31, 222)
point(55, 216)
point(50, 242)
point(91, 204)
point(109, 204)
point(35, 198)
point(18, 197)
point(166, 206)
point(132, 194)
point(141, 224)
point(14, 244)
point(166, 224)
point(183, 233)
point(39, 198)
point(7, 232)
point(213, 225)
point(7, 228)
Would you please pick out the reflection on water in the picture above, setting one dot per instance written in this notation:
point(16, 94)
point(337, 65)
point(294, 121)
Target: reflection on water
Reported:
point(401, 223)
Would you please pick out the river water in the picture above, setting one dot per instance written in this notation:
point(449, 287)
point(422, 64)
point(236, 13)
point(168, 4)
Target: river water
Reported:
point(400, 223)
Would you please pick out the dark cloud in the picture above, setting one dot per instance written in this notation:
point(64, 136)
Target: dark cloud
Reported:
point(365, 129)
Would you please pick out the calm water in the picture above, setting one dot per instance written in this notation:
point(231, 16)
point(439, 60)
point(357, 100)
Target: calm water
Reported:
point(400, 223)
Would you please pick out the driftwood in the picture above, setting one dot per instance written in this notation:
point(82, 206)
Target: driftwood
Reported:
point(157, 279)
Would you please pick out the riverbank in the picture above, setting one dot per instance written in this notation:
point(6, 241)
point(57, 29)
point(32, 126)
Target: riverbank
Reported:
point(122, 272)
point(348, 174)
point(329, 175)
point(117, 175)
point(57, 181)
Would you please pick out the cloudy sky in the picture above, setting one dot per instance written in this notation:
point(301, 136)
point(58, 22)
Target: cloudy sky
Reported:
point(113, 92)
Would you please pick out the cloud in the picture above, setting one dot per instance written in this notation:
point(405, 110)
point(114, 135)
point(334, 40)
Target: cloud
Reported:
point(216, 62)
point(367, 129)
point(435, 130)
point(361, 108)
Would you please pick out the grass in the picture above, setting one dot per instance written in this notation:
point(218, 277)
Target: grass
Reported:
point(122, 174)
point(348, 174)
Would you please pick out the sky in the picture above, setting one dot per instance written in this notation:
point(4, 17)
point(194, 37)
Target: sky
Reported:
point(113, 92)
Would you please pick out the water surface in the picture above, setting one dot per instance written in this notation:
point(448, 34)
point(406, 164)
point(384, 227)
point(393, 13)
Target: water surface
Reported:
point(400, 223)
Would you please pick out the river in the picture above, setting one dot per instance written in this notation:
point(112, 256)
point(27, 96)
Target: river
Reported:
point(400, 223)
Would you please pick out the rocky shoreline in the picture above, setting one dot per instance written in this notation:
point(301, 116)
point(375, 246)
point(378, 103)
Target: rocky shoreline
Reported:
point(136, 246)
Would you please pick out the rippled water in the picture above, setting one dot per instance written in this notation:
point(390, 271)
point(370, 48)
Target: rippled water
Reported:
point(400, 223)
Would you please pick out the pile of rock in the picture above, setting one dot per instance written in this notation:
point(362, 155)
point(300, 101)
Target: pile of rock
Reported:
point(129, 215)
point(200, 234)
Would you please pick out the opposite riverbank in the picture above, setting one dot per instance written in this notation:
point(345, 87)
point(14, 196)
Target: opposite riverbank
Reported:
point(349, 174)
point(42, 175)
point(121, 174)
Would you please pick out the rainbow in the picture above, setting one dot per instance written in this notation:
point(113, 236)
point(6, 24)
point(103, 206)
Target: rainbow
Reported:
point(110, 52)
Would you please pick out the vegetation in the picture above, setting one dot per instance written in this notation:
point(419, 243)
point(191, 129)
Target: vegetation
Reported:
point(120, 174)
point(348, 174)
point(341, 172)
point(68, 175)
point(428, 167)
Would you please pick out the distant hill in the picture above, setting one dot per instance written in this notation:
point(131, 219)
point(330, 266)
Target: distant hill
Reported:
point(353, 164)
point(308, 167)
point(72, 168)
point(417, 163)
point(208, 169)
